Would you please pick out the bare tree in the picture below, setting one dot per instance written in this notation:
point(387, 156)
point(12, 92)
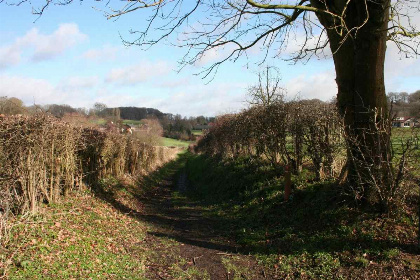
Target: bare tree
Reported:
point(99, 108)
point(11, 106)
point(356, 31)
point(267, 91)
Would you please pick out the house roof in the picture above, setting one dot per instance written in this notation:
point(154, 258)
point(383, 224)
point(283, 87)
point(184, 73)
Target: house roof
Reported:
point(403, 119)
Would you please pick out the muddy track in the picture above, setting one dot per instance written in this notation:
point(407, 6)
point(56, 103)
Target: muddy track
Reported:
point(195, 235)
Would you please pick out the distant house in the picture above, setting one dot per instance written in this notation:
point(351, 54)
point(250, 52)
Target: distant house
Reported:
point(405, 122)
point(126, 129)
point(110, 126)
point(144, 128)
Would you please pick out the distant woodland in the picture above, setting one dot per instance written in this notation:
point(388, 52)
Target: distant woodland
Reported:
point(405, 104)
point(173, 125)
point(401, 104)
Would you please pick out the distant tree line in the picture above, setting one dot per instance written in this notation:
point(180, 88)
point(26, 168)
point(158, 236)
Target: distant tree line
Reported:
point(11, 106)
point(174, 126)
point(133, 113)
point(15, 106)
point(404, 104)
point(178, 127)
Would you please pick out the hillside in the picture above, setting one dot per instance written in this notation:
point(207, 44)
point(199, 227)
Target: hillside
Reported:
point(134, 113)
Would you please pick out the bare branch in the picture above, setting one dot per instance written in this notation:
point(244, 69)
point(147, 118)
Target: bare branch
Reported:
point(232, 27)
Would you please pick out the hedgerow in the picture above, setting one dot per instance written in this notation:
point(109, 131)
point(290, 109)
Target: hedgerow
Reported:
point(43, 159)
point(282, 133)
point(310, 134)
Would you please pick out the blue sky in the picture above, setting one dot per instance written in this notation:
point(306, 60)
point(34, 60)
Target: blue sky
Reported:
point(74, 55)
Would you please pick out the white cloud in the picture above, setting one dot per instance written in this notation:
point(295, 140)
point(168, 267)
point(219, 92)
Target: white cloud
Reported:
point(321, 86)
point(78, 83)
point(135, 74)
point(192, 100)
point(41, 46)
point(211, 56)
point(9, 56)
point(208, 100)
point(398, 68)
point(396, 64)
point(102, 54)
point(215, 54)
point(300, 41)
point(49, 46)
point(26, 89)
point(40, 91)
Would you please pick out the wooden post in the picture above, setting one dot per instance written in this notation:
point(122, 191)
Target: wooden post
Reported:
point(287, 183)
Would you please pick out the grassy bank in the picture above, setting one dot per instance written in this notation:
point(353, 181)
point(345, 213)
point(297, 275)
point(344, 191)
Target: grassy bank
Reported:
point(81, 238)
point(318, 234)
point(103, 233)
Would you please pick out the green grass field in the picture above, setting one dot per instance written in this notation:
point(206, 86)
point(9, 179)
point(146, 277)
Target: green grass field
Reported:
point(81, 238)
point(98, 121)
point(169, 142)
point(132, 122)
point(197, 132)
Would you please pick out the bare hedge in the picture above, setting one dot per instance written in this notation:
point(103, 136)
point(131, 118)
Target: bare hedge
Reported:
point(43, 158)
point(311, 134)
point(290, 133)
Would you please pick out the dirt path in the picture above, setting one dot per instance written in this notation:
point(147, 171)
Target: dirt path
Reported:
point(184, 235)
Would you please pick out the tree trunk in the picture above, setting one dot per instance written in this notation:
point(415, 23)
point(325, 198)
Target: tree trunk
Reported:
point(359, 63)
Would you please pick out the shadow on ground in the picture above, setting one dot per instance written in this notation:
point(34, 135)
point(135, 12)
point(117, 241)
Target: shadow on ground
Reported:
point(175, 216)
point(187, 219)
point(157, 200)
